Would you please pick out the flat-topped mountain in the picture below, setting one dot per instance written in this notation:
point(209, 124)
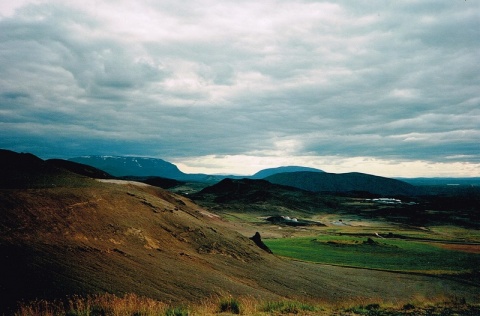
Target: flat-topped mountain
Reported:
point(124, 166)
point(121, 166)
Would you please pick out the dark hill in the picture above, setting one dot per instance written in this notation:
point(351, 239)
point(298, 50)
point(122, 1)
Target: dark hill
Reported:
point(24, 170)
point(246, 190)
point(345, 182)
point(271, 171)
point(92, 172)
point(238, 186)
point(80, 169)
point(261, 196)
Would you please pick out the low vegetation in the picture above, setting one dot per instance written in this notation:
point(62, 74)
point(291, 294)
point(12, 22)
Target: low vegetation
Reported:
point(131, 304)
point(230, 305)
point(290, 307)
point(377, 253)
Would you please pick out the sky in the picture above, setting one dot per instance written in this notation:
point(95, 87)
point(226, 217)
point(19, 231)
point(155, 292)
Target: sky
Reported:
point(390, 88)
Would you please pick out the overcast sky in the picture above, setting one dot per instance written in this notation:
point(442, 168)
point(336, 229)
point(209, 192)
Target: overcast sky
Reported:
point(385, 87)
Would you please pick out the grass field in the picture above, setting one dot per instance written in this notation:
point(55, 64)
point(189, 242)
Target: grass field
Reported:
point(388, 254)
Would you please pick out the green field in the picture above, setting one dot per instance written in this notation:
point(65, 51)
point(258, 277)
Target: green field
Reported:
point(388, 254)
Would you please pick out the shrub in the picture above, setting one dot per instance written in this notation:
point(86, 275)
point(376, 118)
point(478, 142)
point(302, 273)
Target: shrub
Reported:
point(40, 307)
point(408, 307)
point(230, 305)
point(288, 307)
point(370, 307)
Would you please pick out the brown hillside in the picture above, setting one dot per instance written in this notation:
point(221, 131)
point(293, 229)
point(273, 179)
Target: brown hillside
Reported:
point(121, 238)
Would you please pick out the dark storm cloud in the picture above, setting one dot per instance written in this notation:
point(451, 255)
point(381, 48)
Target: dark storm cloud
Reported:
point(394, 81)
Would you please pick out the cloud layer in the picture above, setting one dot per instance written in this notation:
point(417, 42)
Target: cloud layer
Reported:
point(277, 81)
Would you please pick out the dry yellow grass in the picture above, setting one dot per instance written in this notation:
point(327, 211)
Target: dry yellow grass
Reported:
point(132, 304)
point(107, 304)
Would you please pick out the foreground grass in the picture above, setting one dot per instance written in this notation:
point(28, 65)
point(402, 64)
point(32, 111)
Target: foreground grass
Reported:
point(131, 304)
point(387, 254)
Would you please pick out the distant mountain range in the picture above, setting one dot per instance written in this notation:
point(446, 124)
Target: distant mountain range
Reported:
point(154, 171)
point(305, 178)
point(121, 166)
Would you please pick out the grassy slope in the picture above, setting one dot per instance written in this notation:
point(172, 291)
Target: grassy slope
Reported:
point(390, 254)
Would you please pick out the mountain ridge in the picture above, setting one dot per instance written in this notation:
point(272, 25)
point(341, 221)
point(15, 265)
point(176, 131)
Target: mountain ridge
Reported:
point(282, 169)
point(125, 166)
point(132, 166)
point(121, 166)
point(173, 172)
point(343, 182)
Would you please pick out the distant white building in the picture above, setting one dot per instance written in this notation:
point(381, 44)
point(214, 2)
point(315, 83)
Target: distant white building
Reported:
point(387, 201)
